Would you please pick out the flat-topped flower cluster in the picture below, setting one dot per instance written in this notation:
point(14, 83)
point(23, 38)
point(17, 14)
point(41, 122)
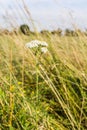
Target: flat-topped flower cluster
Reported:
point(37, 44)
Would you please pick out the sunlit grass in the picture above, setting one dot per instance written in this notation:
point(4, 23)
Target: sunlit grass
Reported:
point(62, 82)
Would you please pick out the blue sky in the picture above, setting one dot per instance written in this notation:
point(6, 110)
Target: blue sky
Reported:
point(46, 14)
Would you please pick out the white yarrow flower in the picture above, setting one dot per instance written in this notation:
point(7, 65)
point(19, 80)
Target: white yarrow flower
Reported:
point(39, 45)
point(36, 43)
point(44, 49)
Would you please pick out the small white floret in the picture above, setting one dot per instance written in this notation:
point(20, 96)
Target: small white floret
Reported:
point(43, 44)
point(44, 49)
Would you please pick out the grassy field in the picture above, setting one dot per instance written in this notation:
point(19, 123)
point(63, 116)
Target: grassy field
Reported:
point(44, 92)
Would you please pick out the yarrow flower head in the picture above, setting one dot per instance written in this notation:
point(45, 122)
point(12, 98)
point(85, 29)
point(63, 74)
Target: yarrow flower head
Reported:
point(37, 44)
point(32, 44)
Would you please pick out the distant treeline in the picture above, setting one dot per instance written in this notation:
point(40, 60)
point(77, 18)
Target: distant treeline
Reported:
point(26, 31)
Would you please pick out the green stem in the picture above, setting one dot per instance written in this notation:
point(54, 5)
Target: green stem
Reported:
point(37, 92)
point(37, 89)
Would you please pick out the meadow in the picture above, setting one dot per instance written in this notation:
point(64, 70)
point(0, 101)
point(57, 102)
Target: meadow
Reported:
point(44, 92)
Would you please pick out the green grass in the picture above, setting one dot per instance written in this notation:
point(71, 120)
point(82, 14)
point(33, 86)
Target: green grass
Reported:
point(50, 96)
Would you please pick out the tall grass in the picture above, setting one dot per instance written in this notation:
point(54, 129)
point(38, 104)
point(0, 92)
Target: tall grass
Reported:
point(61, 84)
